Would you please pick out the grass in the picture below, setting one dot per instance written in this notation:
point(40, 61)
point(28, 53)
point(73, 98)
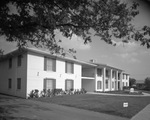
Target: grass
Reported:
point(101, 103)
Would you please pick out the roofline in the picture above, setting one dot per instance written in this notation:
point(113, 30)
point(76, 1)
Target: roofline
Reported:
point(46, 53)
point(108, 66)
point(27, 49)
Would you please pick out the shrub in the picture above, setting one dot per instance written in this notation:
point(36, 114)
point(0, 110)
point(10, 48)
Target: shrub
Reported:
point(55, 92)
point(34, 94)
point(126, 87)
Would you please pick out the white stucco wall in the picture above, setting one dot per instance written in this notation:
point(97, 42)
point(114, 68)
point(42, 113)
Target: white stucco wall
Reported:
point(13, 73)
point(36, 73)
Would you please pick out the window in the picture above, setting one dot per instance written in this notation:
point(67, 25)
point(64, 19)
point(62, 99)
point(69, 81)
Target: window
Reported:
point(107, 73)
point(19, 60)
point(9, 83)
point(99, 72)
point(10, 62)
point(49, 84)
point(106, 84)
point(123, 76)
point(118, 76)
point(69, 67)
point(123, 84)
point(69, 84)
point(112, 84)
point(49, 64)
point(18, 83)
point(99, 84)
point(126, 83)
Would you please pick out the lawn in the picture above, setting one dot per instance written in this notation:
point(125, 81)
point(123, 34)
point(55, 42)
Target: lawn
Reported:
point(101, 103)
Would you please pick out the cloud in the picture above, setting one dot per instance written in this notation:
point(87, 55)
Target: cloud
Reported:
point(128, 52)
point(126, 47)
point(75, 42)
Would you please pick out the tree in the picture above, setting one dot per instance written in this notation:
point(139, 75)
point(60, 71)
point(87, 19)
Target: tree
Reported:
point(147, 83)
point(35, 21)
point(132, 82)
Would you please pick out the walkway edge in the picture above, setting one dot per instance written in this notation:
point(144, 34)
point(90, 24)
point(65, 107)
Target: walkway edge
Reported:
point(143, 114)
point(144, 94)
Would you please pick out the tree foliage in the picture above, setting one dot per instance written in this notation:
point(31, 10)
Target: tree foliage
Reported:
point(35, 21)
point(147, 83)
point(132, 82)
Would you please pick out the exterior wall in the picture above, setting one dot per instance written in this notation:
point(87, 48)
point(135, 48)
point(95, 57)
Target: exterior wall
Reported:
point(36, 73)
point(13, 73)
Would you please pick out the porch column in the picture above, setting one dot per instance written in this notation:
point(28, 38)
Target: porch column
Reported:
point(121, 77)
point(110, 79)
point(104, 77)
point(116, 80)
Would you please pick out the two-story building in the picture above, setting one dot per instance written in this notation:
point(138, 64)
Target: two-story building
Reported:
point(103, 78)
point(26, 69)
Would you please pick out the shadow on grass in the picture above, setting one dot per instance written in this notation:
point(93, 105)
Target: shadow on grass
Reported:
point(14, 118)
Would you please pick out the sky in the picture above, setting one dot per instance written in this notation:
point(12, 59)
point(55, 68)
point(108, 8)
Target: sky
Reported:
point(131, 57)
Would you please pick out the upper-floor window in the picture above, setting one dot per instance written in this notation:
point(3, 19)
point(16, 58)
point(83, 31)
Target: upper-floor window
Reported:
point(99, 72)
point(69, 67)
point(10, 62)
point(123, 76)
point(107, 73)
point(119, 76)
point(49, 64)
point(19, 60)
point(113, 74)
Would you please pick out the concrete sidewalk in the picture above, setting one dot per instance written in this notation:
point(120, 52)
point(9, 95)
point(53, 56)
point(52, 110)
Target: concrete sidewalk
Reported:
point(143, 114)
point(144, 94)
point(36, 110)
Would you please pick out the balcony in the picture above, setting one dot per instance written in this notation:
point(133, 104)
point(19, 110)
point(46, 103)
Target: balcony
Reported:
point(88, 73)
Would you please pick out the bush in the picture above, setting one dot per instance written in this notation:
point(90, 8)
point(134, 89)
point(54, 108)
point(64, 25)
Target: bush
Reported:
point(34, 94)
point(126, 87)
point(55, 92)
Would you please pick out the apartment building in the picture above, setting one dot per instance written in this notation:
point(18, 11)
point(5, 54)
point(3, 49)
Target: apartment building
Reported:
point(103, 78)
point(26, 69)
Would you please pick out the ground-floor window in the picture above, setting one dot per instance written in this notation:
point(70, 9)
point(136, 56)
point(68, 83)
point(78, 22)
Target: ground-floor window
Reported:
point(106, 84)
point(69, 84)
point(49, 83)
point(9, 83)
point(112, 84)
point(18, 83)
point(99, 84)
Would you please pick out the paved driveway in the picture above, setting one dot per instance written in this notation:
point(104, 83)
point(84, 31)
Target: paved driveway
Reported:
point(21, 109)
